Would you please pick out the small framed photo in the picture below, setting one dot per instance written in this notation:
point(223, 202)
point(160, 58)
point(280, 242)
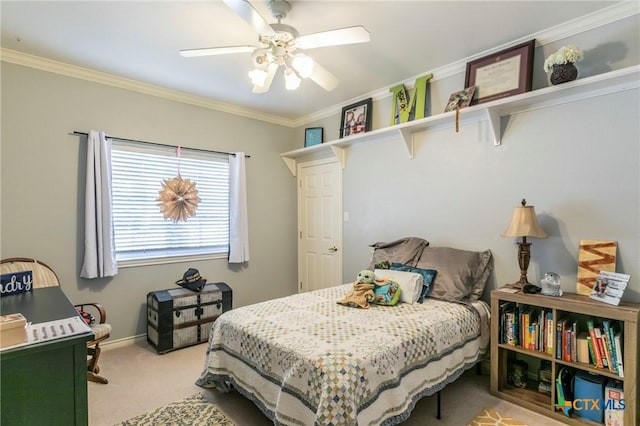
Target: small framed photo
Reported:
point(460, 99)
point(505, 73)
point(313, 136)
point(356, 118)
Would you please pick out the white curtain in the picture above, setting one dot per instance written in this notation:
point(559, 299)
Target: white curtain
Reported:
point(238, 219)
point(99, 245)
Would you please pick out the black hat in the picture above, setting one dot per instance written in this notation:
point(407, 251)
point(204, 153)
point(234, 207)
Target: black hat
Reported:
point(192, 280)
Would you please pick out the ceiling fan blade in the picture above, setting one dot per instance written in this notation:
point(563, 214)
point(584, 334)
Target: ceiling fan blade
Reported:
point(246, 11)
point(207, 51)
point(351, 35)
point(271, 72)
point(324, 78)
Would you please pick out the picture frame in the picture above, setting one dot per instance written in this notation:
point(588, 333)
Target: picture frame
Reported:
point(313, 136)
point(460, 99)
point(356, 118)
point(501, 74)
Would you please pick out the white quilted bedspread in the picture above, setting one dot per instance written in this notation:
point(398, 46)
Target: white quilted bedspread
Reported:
point(304, 359)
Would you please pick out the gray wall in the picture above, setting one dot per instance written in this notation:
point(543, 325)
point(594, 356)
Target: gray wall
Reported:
point(577, 163)
point(43, 180)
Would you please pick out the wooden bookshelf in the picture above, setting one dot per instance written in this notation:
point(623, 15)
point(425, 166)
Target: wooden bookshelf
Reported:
point(626, 314)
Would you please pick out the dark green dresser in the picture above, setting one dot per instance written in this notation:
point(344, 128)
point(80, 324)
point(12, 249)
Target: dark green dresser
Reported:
point(44, 383)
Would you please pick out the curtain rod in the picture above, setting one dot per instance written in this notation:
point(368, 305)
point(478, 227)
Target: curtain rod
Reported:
point(75, 132)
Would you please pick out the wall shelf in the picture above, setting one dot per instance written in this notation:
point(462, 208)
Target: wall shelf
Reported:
point(492, 112)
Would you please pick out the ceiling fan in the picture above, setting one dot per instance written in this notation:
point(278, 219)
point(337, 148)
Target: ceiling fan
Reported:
point(278, 45)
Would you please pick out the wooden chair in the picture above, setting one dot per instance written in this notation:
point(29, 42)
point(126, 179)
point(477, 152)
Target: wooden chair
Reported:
point(44, 276)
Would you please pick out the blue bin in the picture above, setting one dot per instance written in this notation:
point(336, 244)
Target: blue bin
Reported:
point(588, 396)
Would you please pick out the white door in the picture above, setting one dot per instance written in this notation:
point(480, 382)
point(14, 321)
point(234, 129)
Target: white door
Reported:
point(319, 224)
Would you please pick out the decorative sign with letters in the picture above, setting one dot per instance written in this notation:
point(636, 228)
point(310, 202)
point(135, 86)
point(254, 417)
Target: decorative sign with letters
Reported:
point(403, 108)
point(16, 282)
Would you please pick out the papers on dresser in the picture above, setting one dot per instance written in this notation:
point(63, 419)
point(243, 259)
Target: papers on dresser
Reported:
point(51, 330)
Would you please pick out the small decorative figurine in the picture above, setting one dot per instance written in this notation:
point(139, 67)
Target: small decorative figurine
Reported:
point(551, 284)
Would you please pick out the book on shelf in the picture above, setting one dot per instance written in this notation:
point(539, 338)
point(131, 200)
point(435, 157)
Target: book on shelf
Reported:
point(617, 339)
point(607, 328)
point(559, 337)
point(549, 334)
point(607, 351)
point(592, 354)
point(508, 324)
point(603, 355)
point(583, 348)
point(594, 342)
point(614, 403)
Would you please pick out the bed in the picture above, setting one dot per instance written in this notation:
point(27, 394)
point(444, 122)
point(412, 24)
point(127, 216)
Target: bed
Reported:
point(305, 359)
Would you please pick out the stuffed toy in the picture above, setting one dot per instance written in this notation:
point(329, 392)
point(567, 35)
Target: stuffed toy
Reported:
point(362, 292)
point(366, 277)
point(383, 265)
point(386, 292)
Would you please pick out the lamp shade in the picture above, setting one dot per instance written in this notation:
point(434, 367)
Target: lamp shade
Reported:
point(524, 223)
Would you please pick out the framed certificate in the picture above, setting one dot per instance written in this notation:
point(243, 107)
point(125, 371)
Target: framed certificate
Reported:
point(505, 73)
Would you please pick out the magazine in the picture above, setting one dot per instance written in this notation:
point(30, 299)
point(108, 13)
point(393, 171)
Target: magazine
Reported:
point(609, 287)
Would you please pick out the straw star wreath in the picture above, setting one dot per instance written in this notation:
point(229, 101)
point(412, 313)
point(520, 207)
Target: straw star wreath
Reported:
point(178, 199)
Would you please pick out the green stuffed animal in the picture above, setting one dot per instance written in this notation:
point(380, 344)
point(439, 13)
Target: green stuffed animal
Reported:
point(366, 277)
point(386, 292)
point(362, 292)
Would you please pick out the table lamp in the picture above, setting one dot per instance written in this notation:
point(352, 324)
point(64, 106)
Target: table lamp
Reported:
point(524, 224)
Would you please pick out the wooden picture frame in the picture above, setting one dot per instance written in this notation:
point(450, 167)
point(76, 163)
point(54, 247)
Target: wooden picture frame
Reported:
point(313, 136)
point(356, 118)
point(505, 73)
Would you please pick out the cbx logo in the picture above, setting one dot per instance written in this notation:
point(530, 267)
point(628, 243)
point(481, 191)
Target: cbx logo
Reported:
point(592, 404)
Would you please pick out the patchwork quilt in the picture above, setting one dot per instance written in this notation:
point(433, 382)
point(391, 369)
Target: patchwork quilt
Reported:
point(305, 359)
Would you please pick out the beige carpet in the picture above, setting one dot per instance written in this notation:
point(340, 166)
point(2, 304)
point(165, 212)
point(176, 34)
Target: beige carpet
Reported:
point(194, 410)
point(140, 381)
point(489, 417)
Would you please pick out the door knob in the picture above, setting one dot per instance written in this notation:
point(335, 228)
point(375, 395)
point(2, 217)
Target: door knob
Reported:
point(333, 249)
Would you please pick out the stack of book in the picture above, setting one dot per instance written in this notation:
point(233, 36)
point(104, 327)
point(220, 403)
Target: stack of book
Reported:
point(587, 342)
point(526, 326)
point(600, 345)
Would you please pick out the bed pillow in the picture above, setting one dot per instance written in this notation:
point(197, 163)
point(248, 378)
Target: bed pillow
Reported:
point(428, 275)
point(410, 283)
point(405, 250)
point(462, 274)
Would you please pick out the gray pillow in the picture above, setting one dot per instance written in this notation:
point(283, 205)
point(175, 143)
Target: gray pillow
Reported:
point(406, 251)
point(462, 275)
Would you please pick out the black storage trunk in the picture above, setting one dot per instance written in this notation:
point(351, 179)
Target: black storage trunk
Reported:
point(179, 317)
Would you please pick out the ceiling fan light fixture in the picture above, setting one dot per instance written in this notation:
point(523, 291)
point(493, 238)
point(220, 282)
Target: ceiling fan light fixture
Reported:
point(303, 65)
point(258, 77)
point(261, 58)
point(291, 79)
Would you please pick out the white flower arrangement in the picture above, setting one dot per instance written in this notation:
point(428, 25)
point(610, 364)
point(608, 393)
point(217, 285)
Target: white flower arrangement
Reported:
point(565, 55)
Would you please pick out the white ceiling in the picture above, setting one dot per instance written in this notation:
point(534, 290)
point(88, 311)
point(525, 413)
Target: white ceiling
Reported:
point(140, 41)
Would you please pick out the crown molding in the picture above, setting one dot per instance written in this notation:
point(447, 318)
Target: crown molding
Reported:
point(588, 22)
point(43, 64)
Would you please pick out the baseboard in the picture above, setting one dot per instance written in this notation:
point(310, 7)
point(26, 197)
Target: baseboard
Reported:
point(125, 341)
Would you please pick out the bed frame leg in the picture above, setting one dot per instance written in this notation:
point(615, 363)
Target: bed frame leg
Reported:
point(438, 409)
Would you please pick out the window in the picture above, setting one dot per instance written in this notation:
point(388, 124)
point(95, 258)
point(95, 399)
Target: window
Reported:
point(141, 232)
